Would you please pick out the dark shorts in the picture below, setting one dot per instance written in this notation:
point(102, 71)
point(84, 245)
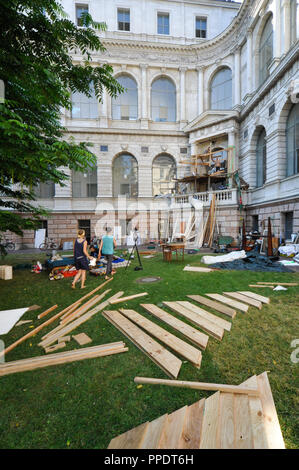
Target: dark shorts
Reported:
point(82, 263)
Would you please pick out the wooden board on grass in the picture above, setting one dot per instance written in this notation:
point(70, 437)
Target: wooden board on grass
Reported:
point(215, 305)
point(226, 325)
point(173, 429)
point(245, 299)
point(201, 322)
point(176, 344)
point(130, 297)
point(131, 439)
point(197, 337)
point(82, 339)
point(253, 295)
point(169, 363)
point(230, 302)
point(197, 269)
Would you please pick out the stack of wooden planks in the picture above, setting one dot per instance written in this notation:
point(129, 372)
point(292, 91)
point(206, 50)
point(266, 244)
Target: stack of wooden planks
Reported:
point(61, 358)
point(231, 418)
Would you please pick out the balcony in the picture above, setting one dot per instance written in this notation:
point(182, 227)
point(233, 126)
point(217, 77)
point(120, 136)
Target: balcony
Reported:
point(224, 197)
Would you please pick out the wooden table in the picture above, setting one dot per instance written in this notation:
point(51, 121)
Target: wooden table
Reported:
point(174, 246)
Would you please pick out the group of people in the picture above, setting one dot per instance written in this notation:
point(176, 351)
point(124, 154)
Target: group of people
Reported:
point(82, 254)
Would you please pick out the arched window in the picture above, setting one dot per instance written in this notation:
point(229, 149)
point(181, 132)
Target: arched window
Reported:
point(261, 159)
point(221, 89)
point(125, 106)
point(163, 100)
point(85, 183)
point(292, 138)
point(265, 50)
point(125, 176)
point(84, 107)
point(164, 172)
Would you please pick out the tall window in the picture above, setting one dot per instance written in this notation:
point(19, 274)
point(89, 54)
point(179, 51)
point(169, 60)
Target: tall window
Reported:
point(200, 27)
point(125, 105)
point(261, 159)
point(84, 107)
point(221, 90)
point(265, 51)
point(163, 23)
point(85, 183)
point(123, 19)
point(292, 137)
point(125, 176)
point(79, 10)
point(45, 190)
point(164, 172)
point(163, 100)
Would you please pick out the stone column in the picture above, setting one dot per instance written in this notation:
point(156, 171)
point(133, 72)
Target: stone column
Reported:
point(200, 91)
point(237, 84)
point(183, 94)
point(103, 110)
point(286, 5)
point(144, 104)
point(249, 61)
point(277, 32)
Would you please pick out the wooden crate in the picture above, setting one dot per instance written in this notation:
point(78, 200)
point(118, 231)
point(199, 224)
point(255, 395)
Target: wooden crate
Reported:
point(6, 272)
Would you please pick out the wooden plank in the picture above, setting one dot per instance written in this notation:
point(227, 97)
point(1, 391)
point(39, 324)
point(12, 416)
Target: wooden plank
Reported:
point(226, 430)
point(131, 439)
point(210, 423)
point(198, 269)
point(130, 297)
point(71, 326)
point(82, 339)
point(199, 385)
point(260, 286)
point(30, 334)
point(253, 295)
point(243, 298)
point(33, 307)
point(230, 302)
point(173, 429)
point(61, 358)
point(55, 347)
point(153, 433)
point(215, 305)
point(197, 337)
point(184, 349)
point(23, 322)
point(41, 315)
point(64, 339)
point(190, 437)
point(271, 422)
point(226, 325)
point(204, 324)
point(243, 433)
point(280, 283)
point(84, 308)
point(169, 363)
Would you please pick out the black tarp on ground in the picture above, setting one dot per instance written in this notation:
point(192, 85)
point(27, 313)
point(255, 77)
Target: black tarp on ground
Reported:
point(253, 262)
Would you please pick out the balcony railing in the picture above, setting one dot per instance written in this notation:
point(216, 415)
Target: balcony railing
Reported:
point(223, 197)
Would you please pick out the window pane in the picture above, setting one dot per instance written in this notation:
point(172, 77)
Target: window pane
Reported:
point(163, 102)
point(163, 23)
point(261, 159)
point(85, 183)
point(164, 172)
point(79, 10)
point(84, 107)
point(265, 50)
point(125, 106)
point(221, 90)
point(125, 176)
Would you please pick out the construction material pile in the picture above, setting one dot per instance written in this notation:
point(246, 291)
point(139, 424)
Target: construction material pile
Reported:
point(254, 261)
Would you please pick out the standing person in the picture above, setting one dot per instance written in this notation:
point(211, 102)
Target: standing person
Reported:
point(107, 245)
point(81, 255)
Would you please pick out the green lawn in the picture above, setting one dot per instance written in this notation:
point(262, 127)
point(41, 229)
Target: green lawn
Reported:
point(85, 404)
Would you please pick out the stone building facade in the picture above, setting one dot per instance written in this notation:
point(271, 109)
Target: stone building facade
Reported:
point(199, 74)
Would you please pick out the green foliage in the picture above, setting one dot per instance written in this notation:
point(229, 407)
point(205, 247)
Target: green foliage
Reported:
point(36, 67)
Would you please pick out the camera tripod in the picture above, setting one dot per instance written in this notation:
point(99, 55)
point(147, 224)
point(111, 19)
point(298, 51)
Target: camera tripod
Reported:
point(135, 247)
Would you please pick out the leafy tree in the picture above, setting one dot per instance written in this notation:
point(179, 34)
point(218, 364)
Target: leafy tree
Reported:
point(36, 67)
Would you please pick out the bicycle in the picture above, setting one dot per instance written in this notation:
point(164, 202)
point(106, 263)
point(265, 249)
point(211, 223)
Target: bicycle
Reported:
point(49, 244)
point(9, 245)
